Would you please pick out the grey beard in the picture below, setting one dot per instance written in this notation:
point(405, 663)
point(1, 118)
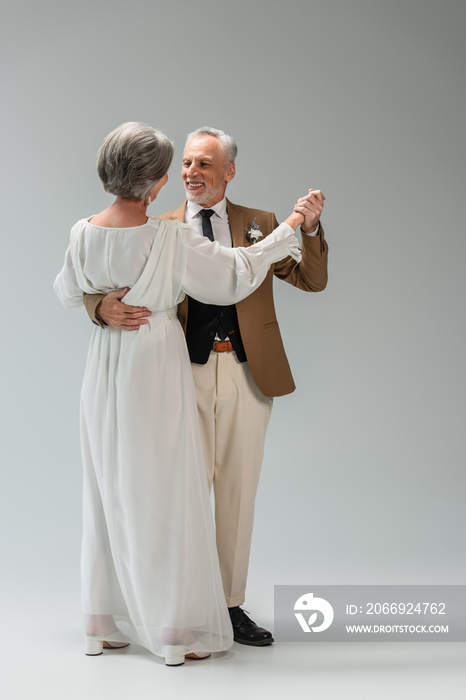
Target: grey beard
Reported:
point(205, 196)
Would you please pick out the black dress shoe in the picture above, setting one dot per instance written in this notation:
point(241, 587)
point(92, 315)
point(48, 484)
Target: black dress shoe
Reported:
point(245, 631)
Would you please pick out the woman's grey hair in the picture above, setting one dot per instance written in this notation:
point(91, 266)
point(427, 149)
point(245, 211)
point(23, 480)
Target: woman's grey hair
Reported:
point(132, 159)
point(230, 148)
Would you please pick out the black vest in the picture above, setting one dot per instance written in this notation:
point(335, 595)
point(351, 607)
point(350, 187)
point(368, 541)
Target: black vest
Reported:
point(205, 321)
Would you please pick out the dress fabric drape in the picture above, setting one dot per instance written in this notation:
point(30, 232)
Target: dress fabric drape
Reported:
point(150, 571)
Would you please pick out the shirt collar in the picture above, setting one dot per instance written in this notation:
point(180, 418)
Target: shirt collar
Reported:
point(193, 209)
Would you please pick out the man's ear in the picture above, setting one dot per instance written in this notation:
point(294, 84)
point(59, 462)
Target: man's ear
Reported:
point(230, 172)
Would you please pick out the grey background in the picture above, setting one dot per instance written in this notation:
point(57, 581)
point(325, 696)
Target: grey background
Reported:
point(363, 480)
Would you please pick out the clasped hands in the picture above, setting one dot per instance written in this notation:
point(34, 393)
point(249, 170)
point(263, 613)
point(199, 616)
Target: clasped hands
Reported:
point(310, 207)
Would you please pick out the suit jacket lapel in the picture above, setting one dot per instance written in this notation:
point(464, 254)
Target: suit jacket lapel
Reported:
point(237, 226)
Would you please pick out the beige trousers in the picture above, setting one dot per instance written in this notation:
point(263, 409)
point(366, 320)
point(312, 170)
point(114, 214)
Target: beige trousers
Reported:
point(233, 416)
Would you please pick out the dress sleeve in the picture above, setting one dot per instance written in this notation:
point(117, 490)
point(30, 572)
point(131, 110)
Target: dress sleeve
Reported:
point(219, 275)
point(66, 284)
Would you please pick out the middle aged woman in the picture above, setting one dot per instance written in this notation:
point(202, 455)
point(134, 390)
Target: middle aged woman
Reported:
point(150, 572)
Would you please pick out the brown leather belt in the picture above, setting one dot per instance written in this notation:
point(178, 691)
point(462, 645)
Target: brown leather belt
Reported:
point(226, 346)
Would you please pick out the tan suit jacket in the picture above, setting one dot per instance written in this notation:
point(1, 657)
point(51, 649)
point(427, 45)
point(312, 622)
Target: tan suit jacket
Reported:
point(256, 314)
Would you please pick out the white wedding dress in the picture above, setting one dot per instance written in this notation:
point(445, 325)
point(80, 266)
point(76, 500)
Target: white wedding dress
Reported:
point(150, 572)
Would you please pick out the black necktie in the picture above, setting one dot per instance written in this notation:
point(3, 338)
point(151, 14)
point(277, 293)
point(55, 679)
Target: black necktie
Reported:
point(207, 224)
point(208, 233)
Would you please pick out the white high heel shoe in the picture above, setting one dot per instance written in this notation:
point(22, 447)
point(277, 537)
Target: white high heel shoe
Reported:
point(175, 655)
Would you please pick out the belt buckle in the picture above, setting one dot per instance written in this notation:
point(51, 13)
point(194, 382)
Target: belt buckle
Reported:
point(223, 346)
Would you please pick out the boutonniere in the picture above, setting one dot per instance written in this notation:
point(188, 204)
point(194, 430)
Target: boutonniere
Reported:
point(253, 234)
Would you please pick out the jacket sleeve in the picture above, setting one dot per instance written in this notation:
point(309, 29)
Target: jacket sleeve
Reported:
point(91, 302)
point(310, 274)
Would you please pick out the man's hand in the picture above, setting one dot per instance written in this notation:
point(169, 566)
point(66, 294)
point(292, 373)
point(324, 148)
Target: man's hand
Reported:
point(311, 208)
point(119, 315)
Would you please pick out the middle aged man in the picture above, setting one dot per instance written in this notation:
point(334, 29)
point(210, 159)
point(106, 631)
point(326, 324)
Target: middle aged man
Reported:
point(237, 353)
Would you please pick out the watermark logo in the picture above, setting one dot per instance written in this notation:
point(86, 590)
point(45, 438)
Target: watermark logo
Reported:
point(381, 613)
point(312, 605)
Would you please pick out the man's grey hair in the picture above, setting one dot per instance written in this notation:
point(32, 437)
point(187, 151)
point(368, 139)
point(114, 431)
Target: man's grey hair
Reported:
point(230, 148)
point(132, 159)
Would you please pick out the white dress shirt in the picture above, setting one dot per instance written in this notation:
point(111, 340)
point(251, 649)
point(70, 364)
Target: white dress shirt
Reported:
point(219, 221)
